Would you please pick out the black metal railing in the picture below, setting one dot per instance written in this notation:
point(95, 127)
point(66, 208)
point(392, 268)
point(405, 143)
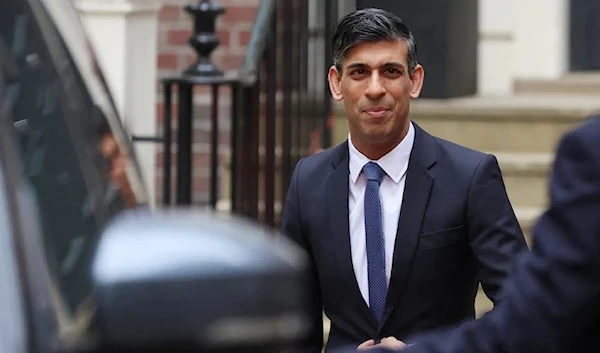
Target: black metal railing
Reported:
point(284, 102)
point(280, 104)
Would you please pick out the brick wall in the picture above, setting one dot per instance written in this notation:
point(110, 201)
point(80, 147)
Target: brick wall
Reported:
point(233, 29)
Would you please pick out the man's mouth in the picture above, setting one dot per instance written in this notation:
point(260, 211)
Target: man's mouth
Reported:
point(377, 112)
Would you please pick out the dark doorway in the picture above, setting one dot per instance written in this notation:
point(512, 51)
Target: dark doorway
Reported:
point(585, 35)
point(446, 33)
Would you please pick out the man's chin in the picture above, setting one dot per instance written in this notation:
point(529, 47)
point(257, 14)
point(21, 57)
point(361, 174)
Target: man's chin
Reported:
point(378, 137)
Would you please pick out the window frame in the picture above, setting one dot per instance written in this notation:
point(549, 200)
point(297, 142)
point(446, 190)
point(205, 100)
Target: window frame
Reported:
point(13, 282)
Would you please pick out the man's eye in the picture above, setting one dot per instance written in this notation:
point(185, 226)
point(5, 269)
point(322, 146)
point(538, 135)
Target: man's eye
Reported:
point(358, 72)
point(393, 71)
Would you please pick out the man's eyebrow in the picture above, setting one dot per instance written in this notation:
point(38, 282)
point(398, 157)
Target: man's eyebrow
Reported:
point(393, 64)
point(356, 66)
point(359, 65)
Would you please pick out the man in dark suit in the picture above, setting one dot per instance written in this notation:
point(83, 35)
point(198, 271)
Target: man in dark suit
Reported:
point(551, 302)
point(401, 226)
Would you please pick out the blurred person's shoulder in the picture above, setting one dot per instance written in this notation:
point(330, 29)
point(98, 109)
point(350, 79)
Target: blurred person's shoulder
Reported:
point(588, 131)
point(590, 126)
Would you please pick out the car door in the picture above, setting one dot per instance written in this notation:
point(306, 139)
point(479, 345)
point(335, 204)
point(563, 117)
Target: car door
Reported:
point(76, 167)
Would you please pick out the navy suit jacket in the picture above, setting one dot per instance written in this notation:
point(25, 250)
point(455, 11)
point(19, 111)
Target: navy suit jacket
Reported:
point(456, 228)
point(551, 303)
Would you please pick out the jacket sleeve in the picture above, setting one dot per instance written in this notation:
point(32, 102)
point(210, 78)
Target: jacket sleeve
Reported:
point(495, 237)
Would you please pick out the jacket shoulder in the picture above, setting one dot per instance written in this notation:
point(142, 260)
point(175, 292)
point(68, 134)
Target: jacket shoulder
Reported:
point(459, 155)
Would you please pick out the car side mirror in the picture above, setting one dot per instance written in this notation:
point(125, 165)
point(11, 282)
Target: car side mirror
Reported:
point(181, 281)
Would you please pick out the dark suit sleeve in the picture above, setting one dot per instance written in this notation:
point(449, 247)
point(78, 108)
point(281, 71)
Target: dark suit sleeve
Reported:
point(553, 292)
point(291, 227)
point(494, 232)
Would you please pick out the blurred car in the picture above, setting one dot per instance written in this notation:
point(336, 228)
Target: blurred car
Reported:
point(85, 266)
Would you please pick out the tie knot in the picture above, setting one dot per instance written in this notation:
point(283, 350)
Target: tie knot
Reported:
point(373, 172)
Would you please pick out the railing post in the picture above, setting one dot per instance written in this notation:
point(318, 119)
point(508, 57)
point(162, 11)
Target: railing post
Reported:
point(270, 122)
point(202, 73)
point(204, 39)
point(287, 164)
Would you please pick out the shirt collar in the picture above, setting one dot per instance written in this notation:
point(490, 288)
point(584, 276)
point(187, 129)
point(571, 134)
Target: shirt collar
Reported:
point(394, 163)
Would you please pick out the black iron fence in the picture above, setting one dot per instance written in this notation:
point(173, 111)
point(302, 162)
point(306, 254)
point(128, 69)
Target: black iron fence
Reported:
point(284, 109)
point(280, 104)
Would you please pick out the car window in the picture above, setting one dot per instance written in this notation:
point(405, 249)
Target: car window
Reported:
point(79, 52)
point(70, 152)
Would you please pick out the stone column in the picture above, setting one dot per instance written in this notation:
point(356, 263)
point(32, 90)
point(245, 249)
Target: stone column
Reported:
point(125, 37)
point(495, 71)
point(542, 39)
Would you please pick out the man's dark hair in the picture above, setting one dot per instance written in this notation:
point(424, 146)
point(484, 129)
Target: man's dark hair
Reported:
point(371, 25)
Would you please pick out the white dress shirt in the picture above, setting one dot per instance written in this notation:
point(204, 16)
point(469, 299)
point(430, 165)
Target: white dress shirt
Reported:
point(391, 191)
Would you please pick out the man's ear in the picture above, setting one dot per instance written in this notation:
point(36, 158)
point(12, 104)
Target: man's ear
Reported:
point(416, 79)
point(335, 83)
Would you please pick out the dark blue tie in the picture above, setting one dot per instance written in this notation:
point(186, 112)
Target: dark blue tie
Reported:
point(374, 240)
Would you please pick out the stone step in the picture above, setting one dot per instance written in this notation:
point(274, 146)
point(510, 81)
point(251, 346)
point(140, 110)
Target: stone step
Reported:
point(577, 83)
point(525, 177)
point(513, 124)
point(482, 303)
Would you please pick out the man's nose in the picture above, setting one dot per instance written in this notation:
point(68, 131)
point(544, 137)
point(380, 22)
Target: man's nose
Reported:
point(375, 89)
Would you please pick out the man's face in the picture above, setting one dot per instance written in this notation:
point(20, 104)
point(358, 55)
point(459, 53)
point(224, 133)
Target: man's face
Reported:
point(376, 89)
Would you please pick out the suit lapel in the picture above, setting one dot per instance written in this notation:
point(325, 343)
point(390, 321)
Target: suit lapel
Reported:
point(416, 195)
point(337, 200)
